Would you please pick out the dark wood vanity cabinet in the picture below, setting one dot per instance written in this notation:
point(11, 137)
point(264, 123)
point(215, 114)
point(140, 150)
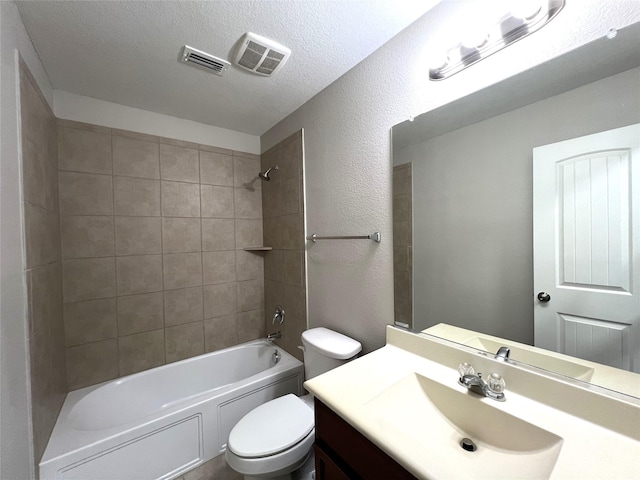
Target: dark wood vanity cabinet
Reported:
point(343, 453)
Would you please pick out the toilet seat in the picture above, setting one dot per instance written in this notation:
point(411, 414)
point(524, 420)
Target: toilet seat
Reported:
point(271, 428)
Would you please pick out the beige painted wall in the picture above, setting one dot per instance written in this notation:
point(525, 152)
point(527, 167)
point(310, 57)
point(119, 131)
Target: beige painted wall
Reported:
point(347, 151)
point(16, 439)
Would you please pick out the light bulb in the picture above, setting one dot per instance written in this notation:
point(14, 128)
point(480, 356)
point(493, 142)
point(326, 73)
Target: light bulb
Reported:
point(526, 9)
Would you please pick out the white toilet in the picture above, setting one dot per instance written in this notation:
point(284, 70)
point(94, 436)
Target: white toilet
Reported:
point(275, 440)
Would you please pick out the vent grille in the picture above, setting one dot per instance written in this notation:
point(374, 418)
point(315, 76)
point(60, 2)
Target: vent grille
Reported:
point(260, 55)
point(204, 61)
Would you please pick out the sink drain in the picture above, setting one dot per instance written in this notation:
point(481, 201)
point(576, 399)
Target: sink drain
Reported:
point(468, 445)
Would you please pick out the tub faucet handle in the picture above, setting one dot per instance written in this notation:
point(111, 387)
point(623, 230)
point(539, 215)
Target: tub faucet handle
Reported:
point(278, 315)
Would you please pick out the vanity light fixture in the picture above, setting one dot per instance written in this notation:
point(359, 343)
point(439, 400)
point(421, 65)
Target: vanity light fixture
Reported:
point(523, 18)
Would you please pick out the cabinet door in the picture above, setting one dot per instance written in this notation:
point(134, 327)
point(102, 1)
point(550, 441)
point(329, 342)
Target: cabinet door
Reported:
point(326, 469)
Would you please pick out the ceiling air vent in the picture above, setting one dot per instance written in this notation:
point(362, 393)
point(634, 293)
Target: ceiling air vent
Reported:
point(203, 60)
point(260, 55)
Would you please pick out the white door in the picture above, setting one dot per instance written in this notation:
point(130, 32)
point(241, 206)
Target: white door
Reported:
point(586, 236)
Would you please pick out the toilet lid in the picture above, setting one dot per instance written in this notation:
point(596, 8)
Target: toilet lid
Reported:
point(271, 428)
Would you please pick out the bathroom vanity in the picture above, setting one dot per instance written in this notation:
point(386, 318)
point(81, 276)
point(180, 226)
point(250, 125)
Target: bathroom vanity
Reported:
point(343, 453)
point(399, 412)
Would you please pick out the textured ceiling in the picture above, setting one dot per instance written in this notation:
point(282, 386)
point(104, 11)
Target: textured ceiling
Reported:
point(127, 52)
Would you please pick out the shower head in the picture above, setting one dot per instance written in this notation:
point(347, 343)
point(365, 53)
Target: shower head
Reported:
point(265, 175)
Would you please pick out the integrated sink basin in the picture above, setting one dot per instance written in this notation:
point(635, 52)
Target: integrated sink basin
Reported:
point(437, 417)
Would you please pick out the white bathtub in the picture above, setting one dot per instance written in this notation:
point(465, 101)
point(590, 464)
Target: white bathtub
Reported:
point(163, 422)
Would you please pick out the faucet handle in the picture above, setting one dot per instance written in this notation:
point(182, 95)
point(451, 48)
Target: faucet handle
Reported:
point(465, 369)
point(496, 383)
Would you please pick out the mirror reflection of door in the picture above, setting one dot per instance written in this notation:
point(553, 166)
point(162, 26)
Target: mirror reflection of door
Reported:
point(587, 247)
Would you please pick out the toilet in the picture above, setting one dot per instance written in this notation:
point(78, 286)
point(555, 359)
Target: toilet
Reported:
point(275, 440)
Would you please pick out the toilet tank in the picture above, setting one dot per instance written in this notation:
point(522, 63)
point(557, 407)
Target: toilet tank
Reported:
point(325, 349)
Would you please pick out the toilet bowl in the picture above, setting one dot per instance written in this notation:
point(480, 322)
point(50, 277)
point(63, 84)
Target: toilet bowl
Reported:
point(275, 440)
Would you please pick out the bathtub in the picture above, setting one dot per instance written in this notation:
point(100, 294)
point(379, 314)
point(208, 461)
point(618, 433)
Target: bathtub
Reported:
point(160, 423)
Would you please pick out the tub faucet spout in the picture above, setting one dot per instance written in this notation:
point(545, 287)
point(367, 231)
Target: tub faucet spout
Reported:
point(274, 336)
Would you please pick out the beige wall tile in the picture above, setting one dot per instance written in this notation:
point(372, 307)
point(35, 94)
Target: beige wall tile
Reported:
point(291, 156)
point(250, 156)
point(138, 235)
point(85, 194)
point(248, 233)
point(184, 341)
point(218, 267)
point(179, 143)
point(89, 321)
point(140, 313)
point(182, 270)
point(291, 195)
point(135, 158)
point(180, 199)
point(402, 285)
point(401, 207)
point(295, 300)
point(48, 387)
point(248, 204)
point(245, 172)
point(250, 295)
point(272, 232)
point(402, 179)
point(183, 306)
point(92, 363)
point(83, 126)
point(274, 296)
point(136, 196)
point(216, 168)
point(181, 235)
point(42, 235)
point(218, 234)
point(84, 151)
point(179, 164)
point(220, 332)
point(293, 267)
point(220, 300)
point(40, 304)
point(141, 351)
point(88, 279)
point(274, 265)
point(87, 236)
point(217, 201)
point(139, 274)
point(292, 232)
point(272, 198)
point(40, 174)
point(249, 265)
point(250, 325)
point(136, 135)
point(211, 148)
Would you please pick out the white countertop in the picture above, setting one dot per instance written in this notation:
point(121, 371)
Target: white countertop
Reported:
point(601, 434)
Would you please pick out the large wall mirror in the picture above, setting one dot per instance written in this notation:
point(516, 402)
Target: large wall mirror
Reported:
point(463, 190)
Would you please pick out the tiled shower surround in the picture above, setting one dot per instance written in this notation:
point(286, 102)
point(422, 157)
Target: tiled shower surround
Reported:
point(153, 234)
point(402, 243)
point(135, 253)
point(42, 238)
point(284, 266)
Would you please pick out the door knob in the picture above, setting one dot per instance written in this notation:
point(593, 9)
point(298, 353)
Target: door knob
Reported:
point(544, 297)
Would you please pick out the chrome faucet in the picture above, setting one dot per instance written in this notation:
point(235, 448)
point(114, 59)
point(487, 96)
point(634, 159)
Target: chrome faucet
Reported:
point(274, 336)
point(493, 389)
point(503, 354)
